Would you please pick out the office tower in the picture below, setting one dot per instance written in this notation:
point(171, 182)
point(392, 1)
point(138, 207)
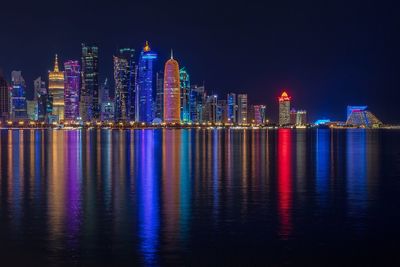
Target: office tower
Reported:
point(4, 98)
point(124, 77)
point(159, 110)
point(40, 87)
point(89, 98)
point(197, 103)
point(32, 109)
point(56, 90)
point(242, 109)
point(18, 96)
point(144, 90)
point(104, 92)
point(211, 108)
point(172, 92)
point(232, 107)
point(222, 111)
point(284, 109)
point(259, 114)
point(293, 115)
point(301, 117)
point(41, 97)
point(72, 71)
point(185, 94)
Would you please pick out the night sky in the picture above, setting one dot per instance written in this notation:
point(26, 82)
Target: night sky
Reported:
point(326, 53)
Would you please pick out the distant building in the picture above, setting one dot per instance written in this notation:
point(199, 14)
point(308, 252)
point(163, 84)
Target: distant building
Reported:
point(222, 111)
point(301, 118)
point(359, 116)
point(72, 83)
point(41, 96)
point(293, 116)
point(242, 109)
point(18, 97)
point(172, 92)
point(89, 99)
point(159, 109)
point(32, 109)
point(185, 95)
point(124, 77)
point(144, 90)
point(284, 109)
point(232, 108)
point(56, 90)
point(197, 103)
point(4, 99)
point(107, 111)
point(211, 108)
point(259, 114)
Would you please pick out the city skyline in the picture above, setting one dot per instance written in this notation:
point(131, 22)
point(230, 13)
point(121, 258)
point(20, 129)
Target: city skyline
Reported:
point(342, 60)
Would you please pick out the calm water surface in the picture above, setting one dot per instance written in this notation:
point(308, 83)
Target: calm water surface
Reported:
point(199, 197)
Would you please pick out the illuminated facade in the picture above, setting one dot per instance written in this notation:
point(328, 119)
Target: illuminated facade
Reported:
point(197, 103)
point(232, 107)
point(41, 97)
point(18, 96)
point(144, 90)
point(89, 99)
point(124, 77)
point(242, 109)
point(172, 92)
point(359, 116)
point(159, 96)
point(56, 90)
point(259, 114)
point(4, 99)
point(301, 118)
point(185, 93)
point(284, 109)
point(72, 83)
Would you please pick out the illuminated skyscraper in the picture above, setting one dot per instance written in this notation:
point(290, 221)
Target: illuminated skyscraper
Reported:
point(185, 92)
point(159, 95)
point(18, 96)
point(197, 103)
point(4, 99)
point(242, 109)
point(293, 115)
point(89, 99)
point(211, 109)
point(56, 90)
point(124, 77)
point(72, 84)
point(144, 91)
point(232, 108)
point(259, 114)
point(172, 92)
point(284, 109)
point(301, 117)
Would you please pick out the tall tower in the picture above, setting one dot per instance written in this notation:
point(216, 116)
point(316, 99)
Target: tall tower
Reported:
point(56, 90)
point(72, 83)
point(89, 104)
point(144, 91)
point(160, 95)
point(18, 96)
point(284, 109)
point(4, 99)
point(232, 107)
point(172, 92)
point(124, 77)
point(242, 109)
point(185, 93)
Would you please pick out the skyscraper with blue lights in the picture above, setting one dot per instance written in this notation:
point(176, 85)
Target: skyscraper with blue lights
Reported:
point(185, 92)
point(144, 92)
point(89, 100)
point(18, 96)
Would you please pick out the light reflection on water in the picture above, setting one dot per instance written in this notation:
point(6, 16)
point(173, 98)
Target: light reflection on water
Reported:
point(158, 197)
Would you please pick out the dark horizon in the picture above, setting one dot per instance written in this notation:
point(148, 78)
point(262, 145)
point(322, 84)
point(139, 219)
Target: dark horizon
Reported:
point(327, 55)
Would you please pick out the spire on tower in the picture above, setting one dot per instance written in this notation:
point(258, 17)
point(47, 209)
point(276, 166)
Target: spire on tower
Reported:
point(146, 47)
point(56, 69)
point(172, 54)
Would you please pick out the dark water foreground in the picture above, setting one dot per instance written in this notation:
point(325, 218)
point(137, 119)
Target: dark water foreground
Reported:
point(200, 197)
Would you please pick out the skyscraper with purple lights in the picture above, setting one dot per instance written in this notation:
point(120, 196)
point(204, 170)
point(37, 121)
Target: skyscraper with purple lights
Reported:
point(72, 74)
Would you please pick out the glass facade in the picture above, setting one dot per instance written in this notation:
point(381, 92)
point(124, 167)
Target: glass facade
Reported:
point(72, 83)
point(89, 100)
point(172, 92)
point(185, 93)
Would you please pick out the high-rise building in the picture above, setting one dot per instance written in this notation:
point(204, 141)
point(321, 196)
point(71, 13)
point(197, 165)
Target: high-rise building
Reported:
point(40, 87)
point(56, 90)
point(159, 110)
point(185, 94)
point(32, 109)
point(124, 77)
point(172, 92)
point(144, 90)
point(72, 83)
point(41, 97)
point(284, 109)
point(301, 117)
point(211, 108)
point(222, 111)
point(18, 96)
point(242, 109)
point(89, 99)
point(232, 107)
point(197, 103)
point(259, 114)
point(293, 116)
point(4, 98)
